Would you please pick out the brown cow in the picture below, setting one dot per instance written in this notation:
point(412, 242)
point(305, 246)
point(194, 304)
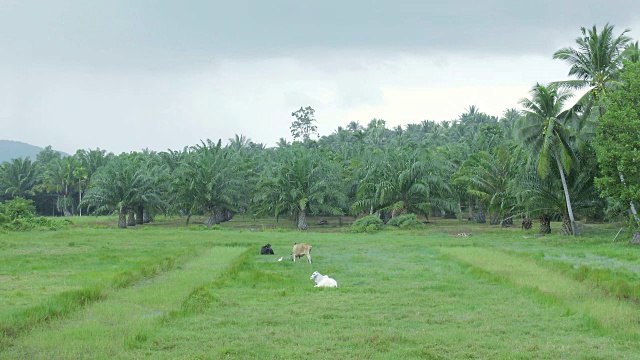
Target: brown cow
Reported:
point(300, 250)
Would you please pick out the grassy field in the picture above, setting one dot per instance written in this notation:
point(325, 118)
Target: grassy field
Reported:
point(162, 291)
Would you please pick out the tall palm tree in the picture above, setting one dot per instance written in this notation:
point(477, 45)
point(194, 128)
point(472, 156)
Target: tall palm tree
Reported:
point(545, 132)
point(596, 61)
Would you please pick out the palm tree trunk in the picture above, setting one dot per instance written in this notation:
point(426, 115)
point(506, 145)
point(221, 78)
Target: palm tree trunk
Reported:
point(131, 220)
point(122, 220)
point(545, 224)
point(139, 215)
point(302, 220)
point(482, 216)
point(574, 228)
point(211, 218)
point(507, 220)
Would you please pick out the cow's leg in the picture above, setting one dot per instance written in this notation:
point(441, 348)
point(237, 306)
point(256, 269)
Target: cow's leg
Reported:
point(309, 258)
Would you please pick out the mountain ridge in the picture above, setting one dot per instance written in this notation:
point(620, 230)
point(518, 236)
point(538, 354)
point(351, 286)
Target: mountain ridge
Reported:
point(11, 149)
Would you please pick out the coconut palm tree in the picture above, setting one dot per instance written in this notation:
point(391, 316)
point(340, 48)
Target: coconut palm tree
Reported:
point(545, 132)
point(596, 61)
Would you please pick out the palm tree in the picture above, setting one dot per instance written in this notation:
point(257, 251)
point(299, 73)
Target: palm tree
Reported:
point(58, 178)
point(212, 178)
point(400, 182)
point(632, 53)
point(487, 176)
point(18, 178)
point(596, 63)
point(545, 132)
point(597, 60)
point(300, 181)
point(119, 186)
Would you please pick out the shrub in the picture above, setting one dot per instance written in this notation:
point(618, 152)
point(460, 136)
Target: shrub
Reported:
point(408, 221)
point(19, 208)
point(369, 223)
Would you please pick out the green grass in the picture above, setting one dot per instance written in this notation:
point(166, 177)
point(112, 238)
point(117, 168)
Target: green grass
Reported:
point(165, 292)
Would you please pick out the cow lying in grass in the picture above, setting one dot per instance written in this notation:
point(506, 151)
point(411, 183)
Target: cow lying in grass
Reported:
point(300, 250)
point(266, 250)
point(323, 280)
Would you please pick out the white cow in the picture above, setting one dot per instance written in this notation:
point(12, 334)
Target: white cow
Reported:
point(323, 280)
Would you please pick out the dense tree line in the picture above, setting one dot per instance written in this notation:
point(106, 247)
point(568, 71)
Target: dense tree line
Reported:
point(554, 158)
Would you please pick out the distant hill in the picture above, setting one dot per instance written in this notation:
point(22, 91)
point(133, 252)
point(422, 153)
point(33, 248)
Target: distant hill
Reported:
point(10, 149)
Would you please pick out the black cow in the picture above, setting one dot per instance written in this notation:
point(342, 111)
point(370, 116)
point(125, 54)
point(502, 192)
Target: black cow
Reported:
point(266, 250)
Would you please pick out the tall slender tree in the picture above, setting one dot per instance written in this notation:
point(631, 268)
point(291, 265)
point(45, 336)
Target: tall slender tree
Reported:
point(544, 130)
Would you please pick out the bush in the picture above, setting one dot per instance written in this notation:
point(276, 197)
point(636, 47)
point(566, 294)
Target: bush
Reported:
point(408, 221)
point(369, 223)
point(19, 208)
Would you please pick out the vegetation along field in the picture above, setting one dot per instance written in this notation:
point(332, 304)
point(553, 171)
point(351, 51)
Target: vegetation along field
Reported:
point(450, 289)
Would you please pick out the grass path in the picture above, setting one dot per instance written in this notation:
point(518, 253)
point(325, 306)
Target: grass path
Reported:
point(104, 329)
point(611, 313)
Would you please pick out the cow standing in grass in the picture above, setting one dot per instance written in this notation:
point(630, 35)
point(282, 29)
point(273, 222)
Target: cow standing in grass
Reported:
point(300, 250)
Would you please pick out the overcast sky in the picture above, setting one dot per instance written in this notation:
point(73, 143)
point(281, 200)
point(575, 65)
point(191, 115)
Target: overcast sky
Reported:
point(128, 75)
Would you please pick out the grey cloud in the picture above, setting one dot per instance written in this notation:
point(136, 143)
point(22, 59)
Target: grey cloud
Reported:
point(162, 34)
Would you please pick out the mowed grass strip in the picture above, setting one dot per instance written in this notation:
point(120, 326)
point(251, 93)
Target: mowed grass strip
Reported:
point(113, 326)
point(49, 275)
point(578, 297)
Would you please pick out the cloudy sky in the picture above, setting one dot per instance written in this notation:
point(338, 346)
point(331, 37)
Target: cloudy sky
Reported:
point(124, 75)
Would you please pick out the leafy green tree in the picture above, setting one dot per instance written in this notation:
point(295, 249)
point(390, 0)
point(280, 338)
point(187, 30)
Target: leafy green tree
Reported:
point(304, 125)
point(545, 132)
point(617, 141)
